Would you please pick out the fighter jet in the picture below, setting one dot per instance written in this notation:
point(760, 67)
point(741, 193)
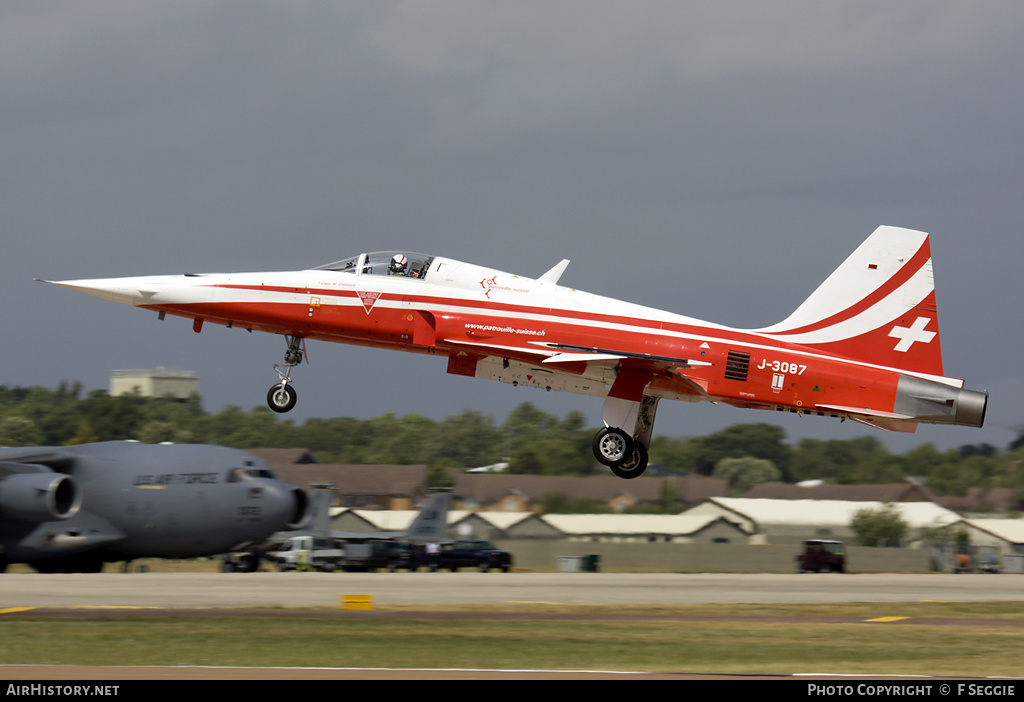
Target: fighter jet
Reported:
point(69, 509)
point(429, 524)
point(864, 346)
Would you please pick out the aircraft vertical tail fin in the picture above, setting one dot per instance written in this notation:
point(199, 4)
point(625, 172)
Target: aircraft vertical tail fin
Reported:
point(319, 513)
point(432, 521)
point(878, 306)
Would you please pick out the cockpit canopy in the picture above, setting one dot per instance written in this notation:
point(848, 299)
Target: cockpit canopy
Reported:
point(400, 263)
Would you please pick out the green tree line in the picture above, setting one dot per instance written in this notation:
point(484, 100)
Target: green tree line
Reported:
point(529, 440)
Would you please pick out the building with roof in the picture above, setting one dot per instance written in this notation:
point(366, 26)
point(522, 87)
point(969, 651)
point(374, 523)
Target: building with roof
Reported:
point(889, 492)
point(498, 492)
point(985, 501)
point(1000, 536)
point(493, 526)
point(648, 528)
point(372, 520)
point(403, 487)
point(158, 382)
point(791, 521)
point(374, 487)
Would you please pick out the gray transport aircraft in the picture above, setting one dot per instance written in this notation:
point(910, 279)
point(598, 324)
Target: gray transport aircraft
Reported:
point(69, 509)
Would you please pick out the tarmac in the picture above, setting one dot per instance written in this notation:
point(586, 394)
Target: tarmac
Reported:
point(272, 589)
point(490, 594)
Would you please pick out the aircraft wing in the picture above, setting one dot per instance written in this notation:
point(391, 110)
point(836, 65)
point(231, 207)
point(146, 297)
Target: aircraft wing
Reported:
point(582, 369)
point(12, 468)
point(570, 353)
point(34, 460)
point(555, 353)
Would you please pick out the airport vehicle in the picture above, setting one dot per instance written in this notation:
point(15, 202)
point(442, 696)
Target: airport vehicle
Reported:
point(472, 554)
point(71, 508)
point(989, 563)
point(822, 556)
point(374, 554)
point(309, 553)
point(864, 346)
point(328, 555)
point(322, 548)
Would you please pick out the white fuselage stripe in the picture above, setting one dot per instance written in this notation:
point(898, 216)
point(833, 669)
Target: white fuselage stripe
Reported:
point(908, 291)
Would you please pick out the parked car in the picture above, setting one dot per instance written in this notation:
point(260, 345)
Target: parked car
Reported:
point(822, 556)
point(472, 554)
point(374, 554)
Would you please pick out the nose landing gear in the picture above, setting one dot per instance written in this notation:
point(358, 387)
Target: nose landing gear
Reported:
point(282, 397)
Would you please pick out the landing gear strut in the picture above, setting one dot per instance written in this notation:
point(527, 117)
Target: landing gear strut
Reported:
point(282, 397)
point(624, 452)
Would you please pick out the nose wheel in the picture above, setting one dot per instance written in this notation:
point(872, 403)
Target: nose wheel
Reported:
point(282, 397)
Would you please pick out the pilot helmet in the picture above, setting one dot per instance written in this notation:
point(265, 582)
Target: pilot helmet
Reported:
point(398, 263)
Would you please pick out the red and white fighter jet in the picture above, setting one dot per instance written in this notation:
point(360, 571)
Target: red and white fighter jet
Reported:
point(864, 346)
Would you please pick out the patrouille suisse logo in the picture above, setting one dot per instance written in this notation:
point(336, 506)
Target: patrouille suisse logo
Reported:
point(369, 299)
point(491, 284)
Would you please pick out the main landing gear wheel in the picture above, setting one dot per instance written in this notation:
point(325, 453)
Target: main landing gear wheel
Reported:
point(612, 446)
point(282, 397)
point(616, 449)
point(635, 466)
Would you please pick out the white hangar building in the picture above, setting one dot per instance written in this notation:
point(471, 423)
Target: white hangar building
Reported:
point(790, 521)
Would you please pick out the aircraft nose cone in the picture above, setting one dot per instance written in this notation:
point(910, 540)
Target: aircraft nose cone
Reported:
point(137, 290)
point(124, 290)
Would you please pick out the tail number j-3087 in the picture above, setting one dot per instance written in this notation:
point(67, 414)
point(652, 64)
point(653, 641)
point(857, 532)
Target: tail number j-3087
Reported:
point(782, 367)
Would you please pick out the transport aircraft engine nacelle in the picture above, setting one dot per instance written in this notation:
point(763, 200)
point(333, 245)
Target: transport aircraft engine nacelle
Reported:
point(300, 512)
point(937, 403)
point(39, 497)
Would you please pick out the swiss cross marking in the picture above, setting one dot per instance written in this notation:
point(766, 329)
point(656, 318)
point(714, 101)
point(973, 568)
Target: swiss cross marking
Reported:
point(908, 335)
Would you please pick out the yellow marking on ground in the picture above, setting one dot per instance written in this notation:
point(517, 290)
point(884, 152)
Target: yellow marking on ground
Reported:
point(117, 607)
point(357, 602)
point(11, 610)
point(887, 619)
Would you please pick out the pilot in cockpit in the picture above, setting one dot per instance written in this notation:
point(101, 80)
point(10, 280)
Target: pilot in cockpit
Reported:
point(399, 265)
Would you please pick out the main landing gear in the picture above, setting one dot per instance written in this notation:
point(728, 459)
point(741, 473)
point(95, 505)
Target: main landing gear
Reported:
point(282, 397)
point(624, 452)
point(616, 449)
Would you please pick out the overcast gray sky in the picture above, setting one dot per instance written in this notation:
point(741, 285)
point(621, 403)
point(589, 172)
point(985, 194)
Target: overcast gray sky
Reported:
point(716, 159)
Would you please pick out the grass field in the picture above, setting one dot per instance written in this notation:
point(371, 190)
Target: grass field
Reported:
point(972, 639)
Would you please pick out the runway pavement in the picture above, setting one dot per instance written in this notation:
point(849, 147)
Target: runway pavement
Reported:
point(489, 589)
point(491, 592)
